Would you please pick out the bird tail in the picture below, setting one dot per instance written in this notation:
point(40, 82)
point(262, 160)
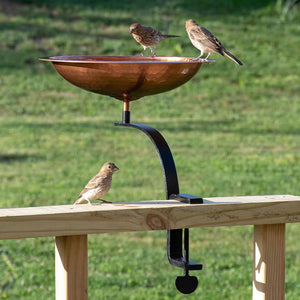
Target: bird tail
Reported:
point(168, 35)
point(79, 200)
point(229, 55)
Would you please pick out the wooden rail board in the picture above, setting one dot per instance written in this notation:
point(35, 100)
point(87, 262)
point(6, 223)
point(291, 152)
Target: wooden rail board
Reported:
point(63, 220)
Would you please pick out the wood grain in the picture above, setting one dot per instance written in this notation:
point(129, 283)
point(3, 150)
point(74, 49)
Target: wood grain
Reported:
point(71, 268)
point(269, 262)
point(147, 215)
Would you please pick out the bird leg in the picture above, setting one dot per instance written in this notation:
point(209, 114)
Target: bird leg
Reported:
point(209, 53)
point(153, 53)
point(201, 53)
point(145, 48)
point(198, 57)
point(89, 201)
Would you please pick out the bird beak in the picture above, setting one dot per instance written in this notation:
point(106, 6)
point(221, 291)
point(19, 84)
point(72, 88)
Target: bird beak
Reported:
point(116, 169)
point(130, 31)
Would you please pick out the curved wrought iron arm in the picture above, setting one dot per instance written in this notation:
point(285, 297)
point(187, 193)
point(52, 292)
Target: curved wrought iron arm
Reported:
point(165, 156)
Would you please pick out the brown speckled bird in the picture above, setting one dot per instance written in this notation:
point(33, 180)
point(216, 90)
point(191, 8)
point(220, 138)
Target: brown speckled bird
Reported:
point(99, 185)
point(206, 42)
point(147, 36)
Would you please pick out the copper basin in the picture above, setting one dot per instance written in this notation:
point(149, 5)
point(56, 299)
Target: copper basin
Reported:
point(126, 78)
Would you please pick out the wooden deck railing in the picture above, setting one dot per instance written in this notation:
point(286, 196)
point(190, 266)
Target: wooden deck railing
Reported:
point(71, 224)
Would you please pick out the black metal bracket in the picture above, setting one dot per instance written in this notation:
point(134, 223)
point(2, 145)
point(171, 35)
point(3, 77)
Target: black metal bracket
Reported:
point(187, 198)
point(185, 284)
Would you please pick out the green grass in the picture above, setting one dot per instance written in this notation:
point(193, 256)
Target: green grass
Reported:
point(232, 130)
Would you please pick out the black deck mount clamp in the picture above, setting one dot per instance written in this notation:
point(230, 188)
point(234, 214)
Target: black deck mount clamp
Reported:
point(177, 239)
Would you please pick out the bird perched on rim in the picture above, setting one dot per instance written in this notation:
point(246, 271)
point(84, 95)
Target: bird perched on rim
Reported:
point(147, 36)
point(99, 185)
point(206, 42)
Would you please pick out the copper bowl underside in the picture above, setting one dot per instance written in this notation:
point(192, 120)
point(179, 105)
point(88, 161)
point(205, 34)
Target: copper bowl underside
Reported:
point(126, 78)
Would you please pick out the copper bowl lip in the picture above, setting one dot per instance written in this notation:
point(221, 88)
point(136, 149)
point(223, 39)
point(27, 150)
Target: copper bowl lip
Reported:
point(126, 59)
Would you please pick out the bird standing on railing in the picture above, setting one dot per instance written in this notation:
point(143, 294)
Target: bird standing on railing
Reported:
point(206, 42)
point(99, 185)
point(148, 36)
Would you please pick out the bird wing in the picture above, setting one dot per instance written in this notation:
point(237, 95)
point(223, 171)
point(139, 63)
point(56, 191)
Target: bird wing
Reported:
point(93, 183)
point(207, 38)
point(151, 31)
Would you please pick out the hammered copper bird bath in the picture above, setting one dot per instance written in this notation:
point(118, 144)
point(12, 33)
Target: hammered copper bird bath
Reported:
point(129, 78)
point(125, 78)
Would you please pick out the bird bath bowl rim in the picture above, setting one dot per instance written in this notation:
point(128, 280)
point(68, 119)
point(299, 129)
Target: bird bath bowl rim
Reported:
point(126, 77)
point(127, 59)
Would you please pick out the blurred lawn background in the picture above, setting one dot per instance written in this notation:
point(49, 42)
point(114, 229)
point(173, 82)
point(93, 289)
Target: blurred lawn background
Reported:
point(232, 130)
